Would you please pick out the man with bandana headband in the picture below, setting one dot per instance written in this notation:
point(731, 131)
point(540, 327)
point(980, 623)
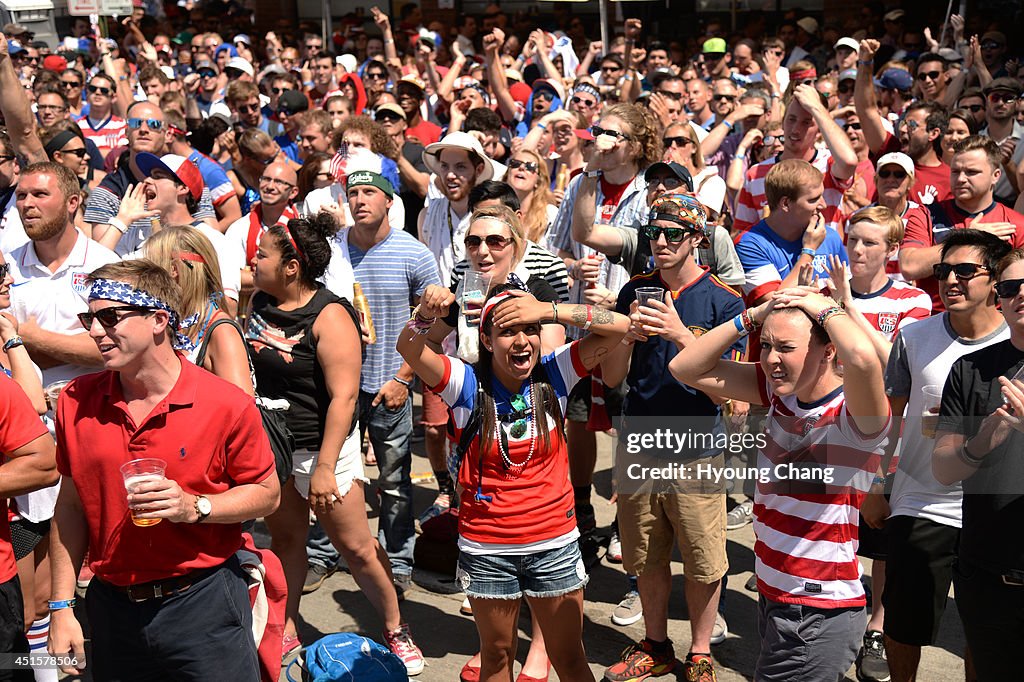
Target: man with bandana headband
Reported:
point(164, 553)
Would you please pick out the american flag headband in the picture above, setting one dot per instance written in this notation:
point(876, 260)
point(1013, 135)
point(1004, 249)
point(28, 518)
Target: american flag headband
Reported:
point(122, 292)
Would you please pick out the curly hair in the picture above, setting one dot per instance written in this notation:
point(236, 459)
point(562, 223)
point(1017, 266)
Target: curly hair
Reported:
point(380, 142)
point(312, 237)
point(643, 127)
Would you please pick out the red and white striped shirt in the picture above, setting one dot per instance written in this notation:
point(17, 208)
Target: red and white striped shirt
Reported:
point(893, 307)
point(107, 135)
point(807, 530)
point(892, 266)
point(751, 202)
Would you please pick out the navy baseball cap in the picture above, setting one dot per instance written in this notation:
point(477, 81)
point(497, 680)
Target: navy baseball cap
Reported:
point(895, 79)
point(674, 168)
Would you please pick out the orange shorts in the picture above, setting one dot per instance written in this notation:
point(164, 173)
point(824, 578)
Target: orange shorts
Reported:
point(435, 412)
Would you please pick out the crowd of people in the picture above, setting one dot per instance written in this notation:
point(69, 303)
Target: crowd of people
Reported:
point(230, 260)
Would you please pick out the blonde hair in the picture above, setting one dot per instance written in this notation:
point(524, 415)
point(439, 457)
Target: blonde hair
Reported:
point(144, 275)
point(504, 214)
point(884, 218)
point(198, 280)
point(535, 221)
point(642, 127)
point(788, 179)
point(696, 158)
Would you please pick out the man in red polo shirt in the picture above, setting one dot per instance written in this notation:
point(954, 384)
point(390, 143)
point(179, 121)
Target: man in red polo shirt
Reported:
point(169, 596)
point(975, 170)
point(26, 453)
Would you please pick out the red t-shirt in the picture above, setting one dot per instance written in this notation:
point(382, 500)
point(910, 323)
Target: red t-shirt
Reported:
point(208, 432)
point(425, 132)
point(931, 183)
point(612, 195)
point(19, 426)
point(930, 225)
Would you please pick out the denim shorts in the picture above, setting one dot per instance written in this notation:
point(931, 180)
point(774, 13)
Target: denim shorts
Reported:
point(549, 573)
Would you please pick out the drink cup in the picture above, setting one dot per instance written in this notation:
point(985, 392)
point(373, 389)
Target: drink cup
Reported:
point(930, 412)
point(475, 286)
point(1018, 376)
point(644, 295)
point(140, 471)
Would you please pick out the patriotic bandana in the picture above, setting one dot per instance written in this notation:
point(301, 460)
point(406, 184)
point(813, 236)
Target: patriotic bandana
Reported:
point(122, 292)
point(681, 208)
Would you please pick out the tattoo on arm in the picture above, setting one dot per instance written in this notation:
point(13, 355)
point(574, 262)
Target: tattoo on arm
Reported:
point(593, 357)
point(602, 316)
point(579, 315)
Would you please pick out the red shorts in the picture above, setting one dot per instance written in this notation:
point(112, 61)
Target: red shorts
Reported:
point(435, 412)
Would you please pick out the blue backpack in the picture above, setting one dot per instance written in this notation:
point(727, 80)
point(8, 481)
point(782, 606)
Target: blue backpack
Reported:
point(348, 657)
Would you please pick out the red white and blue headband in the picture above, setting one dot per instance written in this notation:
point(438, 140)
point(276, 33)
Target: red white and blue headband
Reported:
point(122, 292)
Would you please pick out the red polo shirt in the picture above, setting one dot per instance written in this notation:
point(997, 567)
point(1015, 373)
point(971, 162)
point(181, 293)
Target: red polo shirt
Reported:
point(207, 430)
point(19, 426)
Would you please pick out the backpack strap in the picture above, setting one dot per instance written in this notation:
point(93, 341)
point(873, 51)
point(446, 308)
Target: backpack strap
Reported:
point(706, 254)
point(201, 356)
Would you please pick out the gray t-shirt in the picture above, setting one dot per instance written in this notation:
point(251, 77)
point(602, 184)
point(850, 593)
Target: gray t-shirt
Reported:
point(922, 354)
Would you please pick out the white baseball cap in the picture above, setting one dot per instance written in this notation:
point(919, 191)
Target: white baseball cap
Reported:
point(896, 158)
point(242, 65)
point(847, 42)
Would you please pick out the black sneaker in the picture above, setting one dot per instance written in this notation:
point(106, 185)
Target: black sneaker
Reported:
point(315, 577)
point(871, 663)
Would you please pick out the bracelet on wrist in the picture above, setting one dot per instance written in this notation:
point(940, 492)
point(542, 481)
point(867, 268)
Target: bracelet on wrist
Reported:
point(967, 458)
point(13, 342)
point(407, 384)
point(542, 126)
point(865, 62)
point(62, 604)
point(727, 124)
point(808, 252)
point(118, 224)
point(878, 480)
point(554, 312)
point(741, 327)
point(590, 318)
point(828, 313)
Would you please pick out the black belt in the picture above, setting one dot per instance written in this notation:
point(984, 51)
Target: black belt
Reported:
point(159, 589)
point(1013, 578)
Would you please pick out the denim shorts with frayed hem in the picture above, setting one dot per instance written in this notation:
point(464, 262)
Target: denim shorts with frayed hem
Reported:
point(549, 573)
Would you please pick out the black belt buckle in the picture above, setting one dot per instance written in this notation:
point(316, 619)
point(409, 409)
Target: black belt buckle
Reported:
point(1013, 578)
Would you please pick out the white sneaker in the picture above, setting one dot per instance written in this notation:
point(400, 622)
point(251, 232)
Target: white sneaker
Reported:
point(614, 554)
point(741, 515)
point(720, 631)
point(629, 610)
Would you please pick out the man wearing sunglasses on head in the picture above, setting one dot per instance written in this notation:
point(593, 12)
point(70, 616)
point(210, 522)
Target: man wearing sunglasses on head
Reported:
point(651, 522)
point(148, 132)
point(50, 273)
point(975, 171)
point(101, 126)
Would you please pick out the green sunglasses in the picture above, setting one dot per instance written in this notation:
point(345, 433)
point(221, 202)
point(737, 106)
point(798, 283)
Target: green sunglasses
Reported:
point(673, 235)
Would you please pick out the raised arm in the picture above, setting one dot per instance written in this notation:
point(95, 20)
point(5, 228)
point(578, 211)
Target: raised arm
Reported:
point(603, 238)
point(844, 158)
point(843, 294)
point(864, 96)
point(444, 90)
point(17, 110)
point(390, 52)
point(496, 74)
point(413, 347)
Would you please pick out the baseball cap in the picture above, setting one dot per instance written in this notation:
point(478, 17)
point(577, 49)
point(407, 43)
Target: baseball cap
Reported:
point(676, 169)
point(205, 64)
point(514, 74)
point(292, 102)
point(411, 81)
point(808, 24)
point(896, 158)
point(393, 108)
point(186, 172)
point(895, 15)
point(895, 79)
point(847, 42)
point(1003, 84)
point(714, 46)
point(848, 75)
point(240, 64)
point(994, 36)
point(242, 38)
point(552, 85)
point(14, 47)
point(14, 30)
point(55, 62)
point(224, 47)
point(365, 177)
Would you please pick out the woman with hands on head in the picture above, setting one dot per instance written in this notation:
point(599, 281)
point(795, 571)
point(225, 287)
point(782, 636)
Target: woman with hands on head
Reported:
point(827, 426)
point(517, 532)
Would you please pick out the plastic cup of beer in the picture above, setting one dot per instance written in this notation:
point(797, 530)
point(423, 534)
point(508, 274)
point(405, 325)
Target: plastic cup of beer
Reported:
point(475, 286)
point(644, 295)
point(140, 471)
point(930, 412)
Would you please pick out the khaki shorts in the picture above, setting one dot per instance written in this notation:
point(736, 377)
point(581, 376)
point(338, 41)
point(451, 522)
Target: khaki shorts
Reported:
point(648, 524)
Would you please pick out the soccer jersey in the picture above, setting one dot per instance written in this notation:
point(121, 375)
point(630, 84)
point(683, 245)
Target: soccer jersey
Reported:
point(752, 202)
point(767, 258)
point(528, 503)
point(807, 530)
point(931, 183)
point(893, 307)
point(106, 134)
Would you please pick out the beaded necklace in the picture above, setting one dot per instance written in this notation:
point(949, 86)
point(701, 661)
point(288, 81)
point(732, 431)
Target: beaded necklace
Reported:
point(503, 448)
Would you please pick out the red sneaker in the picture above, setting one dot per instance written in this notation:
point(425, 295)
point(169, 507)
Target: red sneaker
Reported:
point(640, 661)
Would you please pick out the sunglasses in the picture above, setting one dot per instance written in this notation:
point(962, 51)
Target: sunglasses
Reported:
point(521, 408)
point(583, 102)
point(597, 131)
point(671, 95)
point(544, 94)
point(846, 87)
point(278, 91)
point(207, 73)
point(493, 241)
point(852, 126)
point(886, 174)
point(374, 76)
point(772, 139)
point(774, 51)
point(5, 270)
point(1004, 97)
point(388, 116)
point(110, 317)
point(70, 85)
point(1008, 288)
point(246, 108)
point(911, 125)
point(313, 47)
point(724, 98)
point(962, 271)
point(673, 235)
point(529, 166)
point(668, 182)
point(929, 75)
point(80, 152)
point(990, 45)
point(680, 141)
point(610, 69)
point(103, 91)
point(975, 108)
point(151, 123)
point(7, 157)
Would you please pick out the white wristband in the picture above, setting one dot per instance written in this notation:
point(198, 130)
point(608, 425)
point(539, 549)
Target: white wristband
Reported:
point(118, 224)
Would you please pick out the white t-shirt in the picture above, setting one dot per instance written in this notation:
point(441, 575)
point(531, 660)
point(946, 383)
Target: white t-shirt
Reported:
point(12, 232)
point(230, 260)
point(56, 298)
point(336, 194)
point(922, 354)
